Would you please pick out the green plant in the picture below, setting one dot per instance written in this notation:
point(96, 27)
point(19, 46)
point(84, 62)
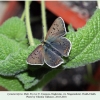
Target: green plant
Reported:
point(15, 74)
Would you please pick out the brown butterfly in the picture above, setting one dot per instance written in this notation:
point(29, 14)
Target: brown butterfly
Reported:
point(54, 46)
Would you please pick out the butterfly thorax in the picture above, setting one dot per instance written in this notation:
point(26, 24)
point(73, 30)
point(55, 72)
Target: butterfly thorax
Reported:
point(49, 46)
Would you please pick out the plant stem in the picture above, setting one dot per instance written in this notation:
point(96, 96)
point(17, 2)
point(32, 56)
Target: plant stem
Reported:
point(98, 3)
point(43, 18)
point(29, 32)
point(23, 15)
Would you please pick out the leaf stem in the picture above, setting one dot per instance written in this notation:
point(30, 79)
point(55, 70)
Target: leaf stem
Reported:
point(43, 17)
point(29, 32)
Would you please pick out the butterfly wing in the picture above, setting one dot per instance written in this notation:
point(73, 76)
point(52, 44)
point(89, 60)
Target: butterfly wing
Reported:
point(52, 59)
point(56, 30)
point(62, 45)
point(37, 56)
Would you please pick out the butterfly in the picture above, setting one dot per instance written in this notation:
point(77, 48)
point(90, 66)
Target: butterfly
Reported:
point(53, 47)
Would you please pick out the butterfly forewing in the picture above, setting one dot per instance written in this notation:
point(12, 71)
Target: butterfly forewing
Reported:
point(62, 45)
point(37, 56)
point(56, 30)
point(52, 59)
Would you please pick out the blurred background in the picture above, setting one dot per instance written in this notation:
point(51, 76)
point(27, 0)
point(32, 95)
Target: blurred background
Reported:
point(75, 13)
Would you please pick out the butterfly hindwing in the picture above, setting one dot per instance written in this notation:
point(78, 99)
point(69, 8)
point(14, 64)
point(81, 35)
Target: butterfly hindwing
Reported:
point(62, 45)
point(52, 59)
point(37, 56)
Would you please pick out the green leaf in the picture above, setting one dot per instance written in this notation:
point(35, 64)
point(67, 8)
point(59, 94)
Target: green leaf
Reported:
point(70, 28)
point(24, 43)
point(7, 46)
point(12, 56)
point(30, 84)
point(14, 28)
point(11, 84)
point(27, 80)
point(15, 62)
point(85, 43)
